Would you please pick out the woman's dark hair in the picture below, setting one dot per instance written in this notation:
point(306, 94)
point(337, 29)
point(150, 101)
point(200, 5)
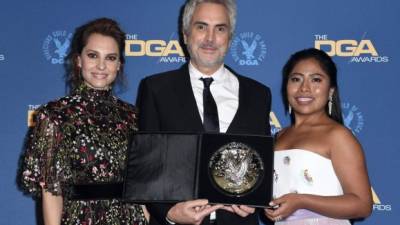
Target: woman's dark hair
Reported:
point(327, 65)
point(103, 26)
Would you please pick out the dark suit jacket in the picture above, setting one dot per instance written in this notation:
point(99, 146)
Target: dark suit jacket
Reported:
point(166, 103)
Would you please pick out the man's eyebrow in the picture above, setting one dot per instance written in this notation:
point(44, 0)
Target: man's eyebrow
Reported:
point(200, 22)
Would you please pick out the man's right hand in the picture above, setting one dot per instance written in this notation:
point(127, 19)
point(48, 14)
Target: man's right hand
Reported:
point(191, 212)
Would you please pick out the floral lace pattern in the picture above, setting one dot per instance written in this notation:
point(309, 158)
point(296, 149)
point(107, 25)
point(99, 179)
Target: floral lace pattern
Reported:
point(81, 139)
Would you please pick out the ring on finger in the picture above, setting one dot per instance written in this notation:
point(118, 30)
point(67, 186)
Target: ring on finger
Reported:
point(278, 218)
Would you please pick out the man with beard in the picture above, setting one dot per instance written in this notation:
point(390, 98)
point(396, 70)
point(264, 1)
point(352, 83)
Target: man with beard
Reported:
point(204, 96)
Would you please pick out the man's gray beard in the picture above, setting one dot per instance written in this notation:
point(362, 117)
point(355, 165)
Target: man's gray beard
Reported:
point(202, 63)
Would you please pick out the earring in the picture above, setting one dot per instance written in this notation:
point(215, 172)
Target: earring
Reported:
point(330, 103)
point(290, 109)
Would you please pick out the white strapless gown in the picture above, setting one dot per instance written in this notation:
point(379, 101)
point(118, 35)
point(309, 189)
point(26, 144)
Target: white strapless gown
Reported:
point(305, 172)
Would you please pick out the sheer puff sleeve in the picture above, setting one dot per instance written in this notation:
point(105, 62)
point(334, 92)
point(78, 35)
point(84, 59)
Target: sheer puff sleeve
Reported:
point(44, 163)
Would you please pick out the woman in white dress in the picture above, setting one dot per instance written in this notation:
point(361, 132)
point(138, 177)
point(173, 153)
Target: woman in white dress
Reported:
point(320, 172)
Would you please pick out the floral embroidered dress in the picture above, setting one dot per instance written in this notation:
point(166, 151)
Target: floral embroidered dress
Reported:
point(305, 172)
point(82, 139)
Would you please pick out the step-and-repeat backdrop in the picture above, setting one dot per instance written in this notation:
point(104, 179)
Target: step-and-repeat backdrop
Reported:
point(362, 36)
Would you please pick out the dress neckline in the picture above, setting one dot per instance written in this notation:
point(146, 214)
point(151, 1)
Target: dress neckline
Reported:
point(300, 150)
point(91, 93)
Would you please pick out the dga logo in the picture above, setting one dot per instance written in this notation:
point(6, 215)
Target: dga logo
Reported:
point(32, 114)
point(359, 51)
point(274, 123)
point(352, 117)
point(248, 49)
point(378, 206)
point(168, 51)
point(56, 45)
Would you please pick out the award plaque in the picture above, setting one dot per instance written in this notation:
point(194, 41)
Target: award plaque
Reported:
point(223, 168)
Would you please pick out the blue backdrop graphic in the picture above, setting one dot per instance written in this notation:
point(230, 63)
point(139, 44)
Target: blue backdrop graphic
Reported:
point(361, 35)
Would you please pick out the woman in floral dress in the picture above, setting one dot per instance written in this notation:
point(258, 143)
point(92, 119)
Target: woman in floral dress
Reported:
point(82, 138)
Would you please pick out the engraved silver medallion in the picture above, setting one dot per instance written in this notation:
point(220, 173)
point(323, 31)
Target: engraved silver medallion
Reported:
point(236, 168)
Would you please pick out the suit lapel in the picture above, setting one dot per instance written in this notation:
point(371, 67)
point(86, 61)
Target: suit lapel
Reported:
point(184, 93)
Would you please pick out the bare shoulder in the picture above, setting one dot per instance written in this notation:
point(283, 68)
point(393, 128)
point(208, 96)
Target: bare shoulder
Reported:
point(279, 136)
point(343, 142)
point(341, 135)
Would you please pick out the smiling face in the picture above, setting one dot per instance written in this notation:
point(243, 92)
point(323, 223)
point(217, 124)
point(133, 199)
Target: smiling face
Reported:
point(308, 87)
point(99, 61)
point(208, 38)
